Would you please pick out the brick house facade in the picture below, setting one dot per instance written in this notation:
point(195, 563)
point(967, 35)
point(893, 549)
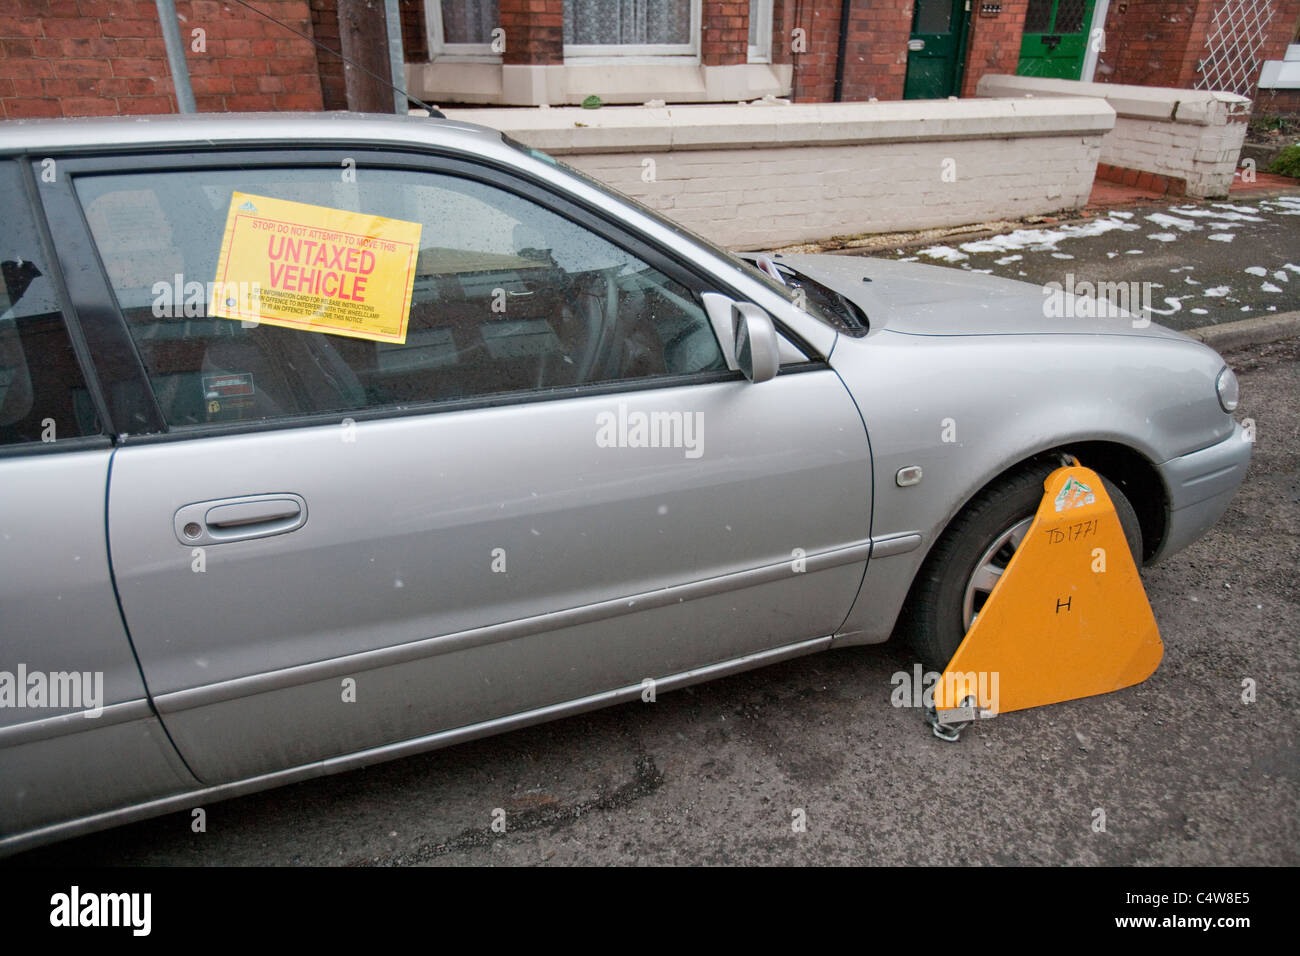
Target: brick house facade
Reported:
point(1152, 43)
point(92, 57)
point(106, 57)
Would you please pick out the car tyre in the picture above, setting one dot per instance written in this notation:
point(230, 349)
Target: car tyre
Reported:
point(981, 539)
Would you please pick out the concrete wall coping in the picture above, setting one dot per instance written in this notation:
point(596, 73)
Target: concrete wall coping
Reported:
point(641, 129)
point(1199, 107)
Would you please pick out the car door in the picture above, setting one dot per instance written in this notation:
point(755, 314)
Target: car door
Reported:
point(554, 488)
point(77, 735)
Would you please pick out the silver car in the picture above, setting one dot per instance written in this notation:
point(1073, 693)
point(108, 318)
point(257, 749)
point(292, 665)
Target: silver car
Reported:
point(604, 456)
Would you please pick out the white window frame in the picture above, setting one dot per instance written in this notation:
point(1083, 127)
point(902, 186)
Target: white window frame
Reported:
point(651, 51)
point(762, 53)
point(440, 49)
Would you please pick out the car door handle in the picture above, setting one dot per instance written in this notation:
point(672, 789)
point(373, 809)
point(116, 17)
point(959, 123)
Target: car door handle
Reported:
point(252, 512)
point(238, 519)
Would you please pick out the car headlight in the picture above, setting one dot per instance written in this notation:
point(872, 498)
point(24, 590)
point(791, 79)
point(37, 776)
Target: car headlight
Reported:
point(1229, 390)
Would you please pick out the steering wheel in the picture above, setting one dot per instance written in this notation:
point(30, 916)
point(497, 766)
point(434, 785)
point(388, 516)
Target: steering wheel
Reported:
point(597, 307)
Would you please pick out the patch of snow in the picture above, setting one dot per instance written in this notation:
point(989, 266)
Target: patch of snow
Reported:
point(1281, 276)
point(1255, 271)
point(1190, 281)
point(1111, 255)
point(1270, 287)
point(1172, 222)
point(1218, 291)
point(1174, 303)
point(1007, 260)
point(1222, 236)
point(1134, 252)
point(944, 253)
point(1061, 255)
point(1225, 205)
point(1044, 240)
point(1163, 237)
point(1197, 212)
point(1200, 311)
point(1115, 214)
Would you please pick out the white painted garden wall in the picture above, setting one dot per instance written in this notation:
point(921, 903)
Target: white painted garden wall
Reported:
point(1193, 135)
point(761, 176)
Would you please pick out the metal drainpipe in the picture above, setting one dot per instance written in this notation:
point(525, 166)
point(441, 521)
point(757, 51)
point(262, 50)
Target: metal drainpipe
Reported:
point(845, 7)
point(396, 58)
point(171, 32)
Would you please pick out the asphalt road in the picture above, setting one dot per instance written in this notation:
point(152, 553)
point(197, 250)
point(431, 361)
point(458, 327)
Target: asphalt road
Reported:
point(1206, 262)
point(1184, 770)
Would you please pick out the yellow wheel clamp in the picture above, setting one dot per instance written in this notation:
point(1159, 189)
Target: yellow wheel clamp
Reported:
point(1067, 619)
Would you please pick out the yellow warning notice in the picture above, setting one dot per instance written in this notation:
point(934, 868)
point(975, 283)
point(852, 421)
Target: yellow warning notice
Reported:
point(314, 268)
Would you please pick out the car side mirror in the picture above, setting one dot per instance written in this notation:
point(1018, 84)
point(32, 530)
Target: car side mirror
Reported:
point(758, 350)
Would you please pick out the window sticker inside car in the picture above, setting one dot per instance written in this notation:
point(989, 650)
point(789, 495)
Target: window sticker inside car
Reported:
point(228, 386)
point(314, 268)
point(228, 396)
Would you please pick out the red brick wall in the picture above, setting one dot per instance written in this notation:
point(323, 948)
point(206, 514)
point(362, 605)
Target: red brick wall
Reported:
point(782, 23)
point(415, 32)
point(1160, 42)
point(1188, 75)
point(1277, 103)
point(814, 69)
point(875, 51)
point(534, 31)
point(875, 56)
point(105, 57)
point(329, 67)
point(724, 32)
point(993, 43)
point(1282, 31)
point(1147, 41)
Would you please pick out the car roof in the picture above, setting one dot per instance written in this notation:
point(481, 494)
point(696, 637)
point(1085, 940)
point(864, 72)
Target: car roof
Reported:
point(116, 132)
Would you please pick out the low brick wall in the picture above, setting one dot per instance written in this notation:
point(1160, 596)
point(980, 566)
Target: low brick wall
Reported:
point(107, 57)
point(752, 177)
point(1188, 136)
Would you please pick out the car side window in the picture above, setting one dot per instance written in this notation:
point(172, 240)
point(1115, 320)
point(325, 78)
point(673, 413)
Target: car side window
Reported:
point(43, 395)
point(507, 296)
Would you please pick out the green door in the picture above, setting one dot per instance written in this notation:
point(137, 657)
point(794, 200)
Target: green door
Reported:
point(936, 49)
point(1055, 40)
